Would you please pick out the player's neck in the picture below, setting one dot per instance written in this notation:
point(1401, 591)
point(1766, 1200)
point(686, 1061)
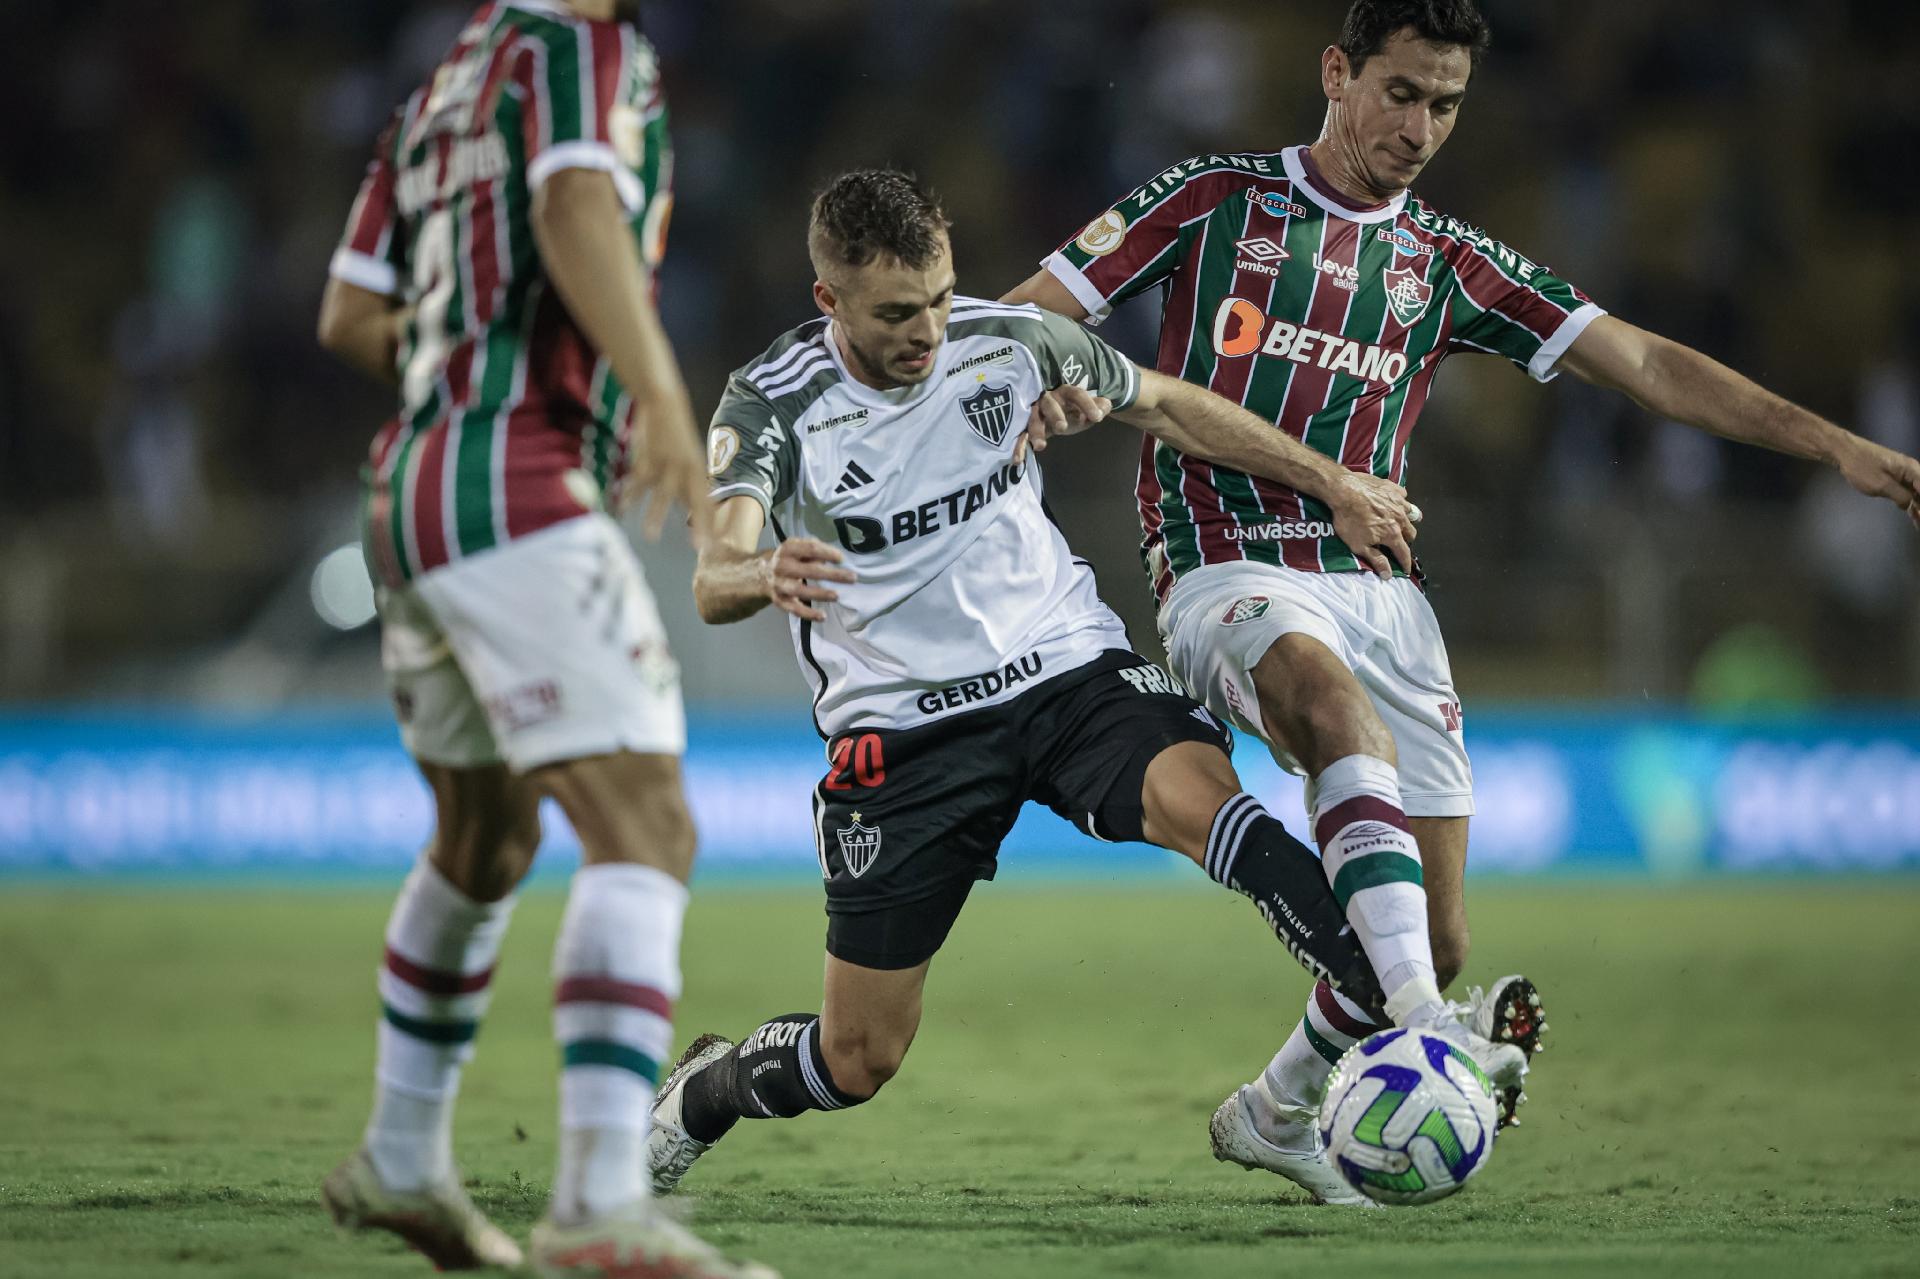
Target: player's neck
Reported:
point(855, 367)
point(597, 10)
point(1333, 169)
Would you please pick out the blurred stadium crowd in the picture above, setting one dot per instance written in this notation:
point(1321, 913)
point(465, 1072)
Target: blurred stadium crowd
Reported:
point(176, 454)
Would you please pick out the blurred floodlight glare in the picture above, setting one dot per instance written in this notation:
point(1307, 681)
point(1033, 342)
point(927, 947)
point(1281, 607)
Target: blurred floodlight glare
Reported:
point(342, 591)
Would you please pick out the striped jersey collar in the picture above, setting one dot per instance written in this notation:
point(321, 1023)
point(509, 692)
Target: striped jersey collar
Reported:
point(554, 8)
point(1295, 162)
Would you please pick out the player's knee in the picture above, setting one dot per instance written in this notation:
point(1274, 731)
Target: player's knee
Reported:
point(1451, 941)
point(860, 1063)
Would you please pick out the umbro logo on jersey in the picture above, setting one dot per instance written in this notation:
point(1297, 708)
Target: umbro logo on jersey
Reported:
point(854, 477)
point(1260, 256)
point(990, 413)
point(1073, 372)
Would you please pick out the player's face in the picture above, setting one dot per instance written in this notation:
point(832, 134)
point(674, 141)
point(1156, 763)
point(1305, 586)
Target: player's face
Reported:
point(891, 317)
point(1392, 118)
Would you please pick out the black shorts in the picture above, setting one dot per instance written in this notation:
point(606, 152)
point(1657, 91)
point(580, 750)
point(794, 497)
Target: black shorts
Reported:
point(907, 819)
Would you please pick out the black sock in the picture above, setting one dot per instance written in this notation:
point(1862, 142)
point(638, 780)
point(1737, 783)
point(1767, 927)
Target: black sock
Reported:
point(1251, 853)
point(777, 1072)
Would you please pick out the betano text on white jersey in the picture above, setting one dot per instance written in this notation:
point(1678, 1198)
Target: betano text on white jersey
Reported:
point(967, 592)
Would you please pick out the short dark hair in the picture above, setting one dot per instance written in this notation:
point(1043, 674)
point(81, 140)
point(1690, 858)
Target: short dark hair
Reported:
point(870, 212)
point(1371, 23)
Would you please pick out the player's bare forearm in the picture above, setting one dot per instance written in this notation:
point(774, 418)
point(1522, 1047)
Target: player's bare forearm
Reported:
point(587, 247)
point(363, 329)
point(733, 580)
point(1680, 383)
point(1371, 515)
point(1043, 290)
point(1215, 429)
point(730, 584)
point(588, 250)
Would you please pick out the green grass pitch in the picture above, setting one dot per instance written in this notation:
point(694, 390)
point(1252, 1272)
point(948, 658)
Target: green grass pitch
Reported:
point(1732, 1087)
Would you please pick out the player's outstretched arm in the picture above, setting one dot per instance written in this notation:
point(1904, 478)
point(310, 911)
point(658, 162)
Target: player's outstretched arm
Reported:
point(1044, 290)
point(1370, 515)
point(734, 580)
point(1680, 383)
point(586, 244)
point(363, 328)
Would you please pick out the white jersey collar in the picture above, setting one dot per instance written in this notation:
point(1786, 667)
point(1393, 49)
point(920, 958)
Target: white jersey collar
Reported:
point(1294, 161)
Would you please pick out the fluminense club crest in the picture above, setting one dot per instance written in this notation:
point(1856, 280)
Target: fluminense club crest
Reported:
point(859, 845)
point(990, 413)
point(1408, 295)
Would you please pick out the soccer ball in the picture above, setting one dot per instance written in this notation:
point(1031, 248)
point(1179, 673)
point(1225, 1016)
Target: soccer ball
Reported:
point(1408, 1117)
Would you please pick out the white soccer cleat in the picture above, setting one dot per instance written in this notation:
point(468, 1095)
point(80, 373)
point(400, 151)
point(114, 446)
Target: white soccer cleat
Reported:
point(670, 1151)
point(1507, 1014)
point(439, 1222)
point(1237, 1141)
point(639, 1243)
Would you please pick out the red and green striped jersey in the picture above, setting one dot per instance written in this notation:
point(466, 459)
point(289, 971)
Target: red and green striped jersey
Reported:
point(1327, 319)
point(509, 419)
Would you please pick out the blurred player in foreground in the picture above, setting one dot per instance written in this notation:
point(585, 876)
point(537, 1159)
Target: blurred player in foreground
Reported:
point(961, 661)
point(1308, 285)
point(497, 267)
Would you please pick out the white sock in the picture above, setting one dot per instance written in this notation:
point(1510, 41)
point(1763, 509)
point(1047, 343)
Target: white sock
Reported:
point(1289, 1091)
point(435, 984)
point(1373, 864)
point(616, 970)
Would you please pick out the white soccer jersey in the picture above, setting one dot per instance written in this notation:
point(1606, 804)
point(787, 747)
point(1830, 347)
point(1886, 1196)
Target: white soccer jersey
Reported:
point(968, 593)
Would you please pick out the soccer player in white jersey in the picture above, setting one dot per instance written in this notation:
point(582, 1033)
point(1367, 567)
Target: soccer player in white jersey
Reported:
point(960, 659)
point(1310, 285)
point(497, 270)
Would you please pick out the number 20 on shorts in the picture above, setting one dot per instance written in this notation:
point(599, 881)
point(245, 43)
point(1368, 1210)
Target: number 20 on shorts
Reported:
point(863, 757)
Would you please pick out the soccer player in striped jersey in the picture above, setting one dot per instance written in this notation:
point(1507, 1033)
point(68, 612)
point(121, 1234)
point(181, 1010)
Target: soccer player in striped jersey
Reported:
point(962, 663)
point(1310, 285)
point(497, 269)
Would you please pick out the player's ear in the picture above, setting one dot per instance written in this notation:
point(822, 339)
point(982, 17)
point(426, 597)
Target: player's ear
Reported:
point(823, 297)
point(1334, 72)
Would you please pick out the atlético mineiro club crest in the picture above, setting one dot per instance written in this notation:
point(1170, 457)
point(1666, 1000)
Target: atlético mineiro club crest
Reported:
point(990, 413)
point(1408, 295)
point(859, 845)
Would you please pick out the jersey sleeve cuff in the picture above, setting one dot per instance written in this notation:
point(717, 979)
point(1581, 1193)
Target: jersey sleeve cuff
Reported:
point(1131, 391)
point(1097, 307)
point(754, 491)
point(364, 272)
point(1541, 367)
point(588, 155)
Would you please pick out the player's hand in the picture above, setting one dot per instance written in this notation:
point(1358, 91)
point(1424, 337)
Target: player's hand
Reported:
point(791, 576)
point(1065, 410)
point(1881, 472)
point(666, 470)
point(1372, 516)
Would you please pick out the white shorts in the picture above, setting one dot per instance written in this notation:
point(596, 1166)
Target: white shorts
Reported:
point(1221, 619)
point(545, 648)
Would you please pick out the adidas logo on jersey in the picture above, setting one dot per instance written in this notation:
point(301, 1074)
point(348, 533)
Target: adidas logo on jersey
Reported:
point(852, 478)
